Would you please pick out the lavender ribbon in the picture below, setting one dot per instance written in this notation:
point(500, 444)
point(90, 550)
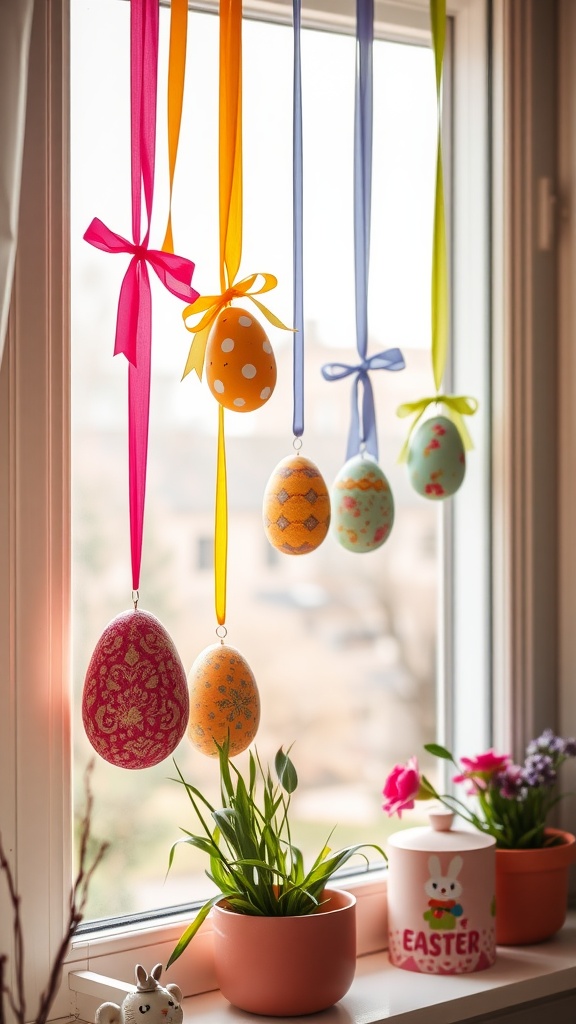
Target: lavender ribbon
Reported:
point(298, 217)
point(363, 433)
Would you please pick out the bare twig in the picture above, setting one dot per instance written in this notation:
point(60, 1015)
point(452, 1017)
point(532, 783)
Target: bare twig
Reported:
point(2, 970)
point(17, 1000)
point(78, 898)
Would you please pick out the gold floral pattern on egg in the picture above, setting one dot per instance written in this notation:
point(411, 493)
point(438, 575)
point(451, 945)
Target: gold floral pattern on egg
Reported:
point(135, 700)
point(240, 363)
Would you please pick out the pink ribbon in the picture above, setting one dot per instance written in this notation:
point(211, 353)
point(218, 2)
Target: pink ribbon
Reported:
point(134, 319)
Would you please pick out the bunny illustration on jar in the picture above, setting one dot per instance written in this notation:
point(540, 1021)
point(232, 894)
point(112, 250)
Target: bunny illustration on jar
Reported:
point(443, 892)
point(441, 909)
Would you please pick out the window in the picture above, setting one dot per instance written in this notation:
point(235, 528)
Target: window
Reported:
point(34, 457)
point(343, 647)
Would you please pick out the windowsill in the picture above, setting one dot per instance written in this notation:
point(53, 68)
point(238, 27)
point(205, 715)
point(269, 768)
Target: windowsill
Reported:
point(380, 992)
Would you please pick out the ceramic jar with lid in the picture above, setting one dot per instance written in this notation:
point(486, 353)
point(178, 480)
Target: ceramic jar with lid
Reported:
point(441, 904)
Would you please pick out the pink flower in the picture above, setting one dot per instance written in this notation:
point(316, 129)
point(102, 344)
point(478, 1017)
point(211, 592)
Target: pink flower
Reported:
point(401, 788)
point(482, 768)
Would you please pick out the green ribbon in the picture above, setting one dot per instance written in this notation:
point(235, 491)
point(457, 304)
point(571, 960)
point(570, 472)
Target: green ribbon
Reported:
point(439, 297)
point(456, 407)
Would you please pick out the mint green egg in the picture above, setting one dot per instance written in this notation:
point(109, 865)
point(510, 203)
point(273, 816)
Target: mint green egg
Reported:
point(436, 459)
point(362, 505)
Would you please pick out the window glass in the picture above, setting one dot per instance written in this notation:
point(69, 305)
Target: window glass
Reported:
point(343, 646)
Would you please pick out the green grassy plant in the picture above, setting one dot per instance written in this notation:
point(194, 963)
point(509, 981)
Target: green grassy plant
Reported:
point(253, 861)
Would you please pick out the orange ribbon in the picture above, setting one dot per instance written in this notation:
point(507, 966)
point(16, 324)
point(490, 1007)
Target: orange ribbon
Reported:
point(176, 75)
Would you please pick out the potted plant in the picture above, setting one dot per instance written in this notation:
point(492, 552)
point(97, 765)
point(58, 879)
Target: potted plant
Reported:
point(285, 943)
point(511, 802)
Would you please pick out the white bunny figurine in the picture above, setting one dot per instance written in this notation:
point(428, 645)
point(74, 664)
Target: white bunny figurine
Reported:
point(150, 1001)
point(443, 891)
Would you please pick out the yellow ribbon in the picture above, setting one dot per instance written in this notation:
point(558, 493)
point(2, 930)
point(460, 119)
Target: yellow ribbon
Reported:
point(456, 406)
point(176, 75)
point(211, 306)
point(230, 212)
point(221, 525)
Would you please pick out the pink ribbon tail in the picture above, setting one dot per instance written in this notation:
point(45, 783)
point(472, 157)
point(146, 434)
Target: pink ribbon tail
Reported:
point(134, 319)
point(138, 418)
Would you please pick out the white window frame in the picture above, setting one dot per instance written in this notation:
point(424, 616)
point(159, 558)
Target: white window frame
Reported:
point(517, 592)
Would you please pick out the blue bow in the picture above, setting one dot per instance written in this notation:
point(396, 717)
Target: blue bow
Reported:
point(363, 427)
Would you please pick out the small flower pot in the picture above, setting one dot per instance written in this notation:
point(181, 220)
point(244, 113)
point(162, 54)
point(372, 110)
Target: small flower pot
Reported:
point(532, 891)
point(286, 966)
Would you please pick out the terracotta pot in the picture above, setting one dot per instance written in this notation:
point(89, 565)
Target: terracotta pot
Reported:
point(532, 891)
point(286, 966)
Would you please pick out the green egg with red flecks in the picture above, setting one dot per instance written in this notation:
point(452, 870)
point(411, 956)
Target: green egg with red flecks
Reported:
point(362, 505)
point(436, 459)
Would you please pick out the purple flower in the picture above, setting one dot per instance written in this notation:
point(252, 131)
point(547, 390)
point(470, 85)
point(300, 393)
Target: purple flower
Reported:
point(539, 770)
point(547, 743)
point(570, 747)
point(510, 781)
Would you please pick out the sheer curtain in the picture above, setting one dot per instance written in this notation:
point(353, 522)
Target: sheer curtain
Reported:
point(15, 25)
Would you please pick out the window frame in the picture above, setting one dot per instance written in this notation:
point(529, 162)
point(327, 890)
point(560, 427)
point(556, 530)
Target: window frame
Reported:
point(35, 738)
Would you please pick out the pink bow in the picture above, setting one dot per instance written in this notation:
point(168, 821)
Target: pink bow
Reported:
point(175, 273)
point(134, 320)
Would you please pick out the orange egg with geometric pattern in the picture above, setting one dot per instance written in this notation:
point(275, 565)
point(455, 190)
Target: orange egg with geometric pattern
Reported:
point(296, 506)
point(240, 363)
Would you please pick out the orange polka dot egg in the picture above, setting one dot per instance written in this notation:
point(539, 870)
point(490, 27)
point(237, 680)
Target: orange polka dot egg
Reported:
point(240, 363)
point(296, 508)
point(224, 701)
point(135, 698)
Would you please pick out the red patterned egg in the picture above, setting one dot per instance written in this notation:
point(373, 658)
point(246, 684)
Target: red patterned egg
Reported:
point(240, 363)
point(135, 701)
point(224, 701)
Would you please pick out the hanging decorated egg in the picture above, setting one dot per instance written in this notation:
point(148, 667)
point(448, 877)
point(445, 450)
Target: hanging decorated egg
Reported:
point(240, 363)
point(135, 699)
point(362, 505)
point(436, 459)
point(296, 507)
point(224, 701)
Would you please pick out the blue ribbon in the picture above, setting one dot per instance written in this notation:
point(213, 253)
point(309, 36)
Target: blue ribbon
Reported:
point(363, 130)
point(297, 215)
point(363, 434)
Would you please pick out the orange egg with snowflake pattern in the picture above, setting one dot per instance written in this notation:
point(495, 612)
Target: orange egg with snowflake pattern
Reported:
point(296, 508)
point(224, 701)
point(240, 363)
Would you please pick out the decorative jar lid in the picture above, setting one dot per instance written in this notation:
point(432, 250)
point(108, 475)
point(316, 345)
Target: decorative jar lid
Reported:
point(441, 837)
